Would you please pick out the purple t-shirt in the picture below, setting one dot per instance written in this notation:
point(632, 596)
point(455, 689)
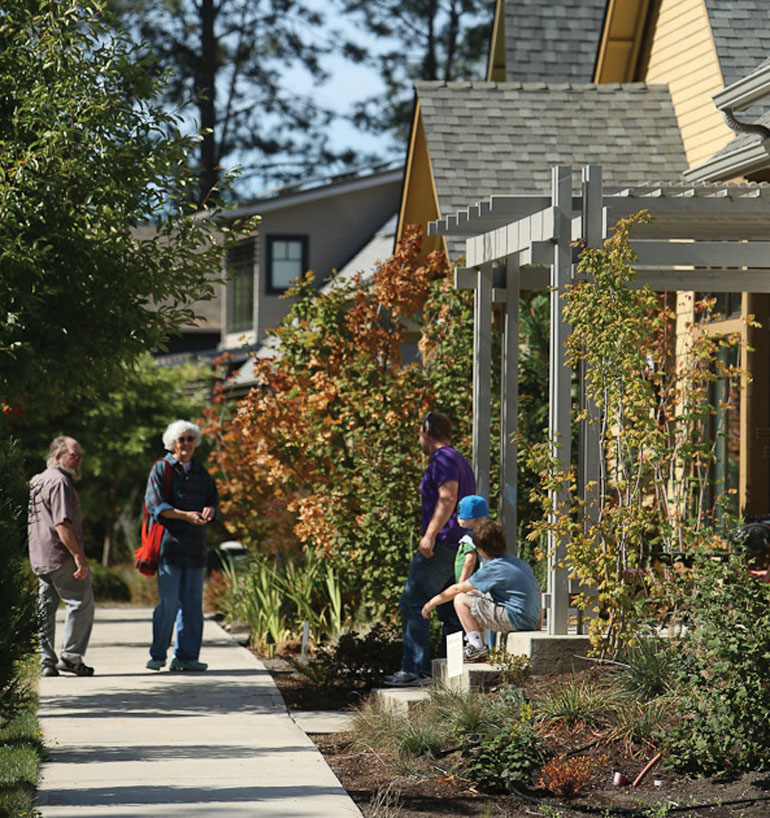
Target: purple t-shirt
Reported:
point(446, 464)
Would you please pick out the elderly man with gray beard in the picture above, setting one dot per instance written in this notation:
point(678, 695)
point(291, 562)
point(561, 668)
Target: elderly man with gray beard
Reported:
point(55, 528)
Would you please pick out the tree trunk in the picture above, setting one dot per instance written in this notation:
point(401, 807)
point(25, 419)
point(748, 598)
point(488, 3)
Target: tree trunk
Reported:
point(430, 63)
point(106, 549)
point(205, 90)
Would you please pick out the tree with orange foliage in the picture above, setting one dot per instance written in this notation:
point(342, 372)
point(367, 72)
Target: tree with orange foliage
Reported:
point(322, 453)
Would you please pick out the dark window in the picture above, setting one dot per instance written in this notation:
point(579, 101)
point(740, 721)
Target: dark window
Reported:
point(726, 305)
point(240, 287)
point(286, 260)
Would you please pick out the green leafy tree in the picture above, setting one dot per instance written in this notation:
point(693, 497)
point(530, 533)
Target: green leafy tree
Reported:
point(119, 429)
point(87, 153)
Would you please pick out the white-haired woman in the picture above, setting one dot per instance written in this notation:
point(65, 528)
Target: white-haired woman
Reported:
point(184, 510)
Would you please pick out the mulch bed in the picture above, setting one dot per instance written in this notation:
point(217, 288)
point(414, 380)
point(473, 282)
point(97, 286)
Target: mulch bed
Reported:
point(433, 791)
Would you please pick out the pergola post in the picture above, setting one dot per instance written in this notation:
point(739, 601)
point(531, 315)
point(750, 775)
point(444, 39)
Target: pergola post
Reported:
point(594, 232)
point(559, 387)
point(509, 404)
point(482, 377)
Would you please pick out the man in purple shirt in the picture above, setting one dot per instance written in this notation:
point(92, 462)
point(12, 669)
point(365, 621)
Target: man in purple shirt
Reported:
point(447, 479)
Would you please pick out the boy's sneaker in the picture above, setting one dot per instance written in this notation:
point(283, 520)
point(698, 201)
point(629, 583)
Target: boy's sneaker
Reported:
point(49, 670)
point(473, 654)
point(78, 668)
point(155, 664)
point(406, 678)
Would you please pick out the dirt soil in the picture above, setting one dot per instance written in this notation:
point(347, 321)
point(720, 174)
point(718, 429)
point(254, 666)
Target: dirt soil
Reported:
point(436, 791)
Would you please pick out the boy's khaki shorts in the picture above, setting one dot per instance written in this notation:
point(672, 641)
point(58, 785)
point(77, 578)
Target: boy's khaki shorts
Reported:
point(489, 614)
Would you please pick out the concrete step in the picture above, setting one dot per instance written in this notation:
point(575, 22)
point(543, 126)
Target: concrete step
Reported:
point(475, 675)
point(549, 653)
point(400, 699)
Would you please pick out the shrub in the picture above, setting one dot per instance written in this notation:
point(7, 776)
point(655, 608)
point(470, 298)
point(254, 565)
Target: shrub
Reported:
point(109, 586)
point(515, 669)
point(723, 672)
point(505, 760)
point(569, 776)
point(18, 609)
point(357, 658)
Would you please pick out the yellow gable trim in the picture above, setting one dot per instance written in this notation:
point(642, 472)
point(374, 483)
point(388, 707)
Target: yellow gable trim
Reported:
point(419, 201)
point(624, 29)
point(496, 70)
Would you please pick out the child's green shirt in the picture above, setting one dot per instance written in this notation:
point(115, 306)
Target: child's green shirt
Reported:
point(465, 546)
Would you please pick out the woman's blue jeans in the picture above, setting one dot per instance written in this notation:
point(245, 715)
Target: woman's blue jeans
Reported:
point(426, 578)
point(180, 591)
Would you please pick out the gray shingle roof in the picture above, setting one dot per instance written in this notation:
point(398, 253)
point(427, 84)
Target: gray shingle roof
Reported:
point(488, 137)
point(741, 31)
point(552, 42)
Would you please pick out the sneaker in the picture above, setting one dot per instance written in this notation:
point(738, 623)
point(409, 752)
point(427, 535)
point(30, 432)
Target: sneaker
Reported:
point(49, 670)
point(78, 668)
point(155, 664)
point(406, 678)
point(472, 654)
point(187, 664)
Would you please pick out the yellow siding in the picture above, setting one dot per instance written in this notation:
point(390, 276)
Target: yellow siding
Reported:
point(621, 39)
point(419, 202)
point(682, 55)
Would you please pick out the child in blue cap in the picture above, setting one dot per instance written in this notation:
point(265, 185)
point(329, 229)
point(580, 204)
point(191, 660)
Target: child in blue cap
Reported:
point(471, 511)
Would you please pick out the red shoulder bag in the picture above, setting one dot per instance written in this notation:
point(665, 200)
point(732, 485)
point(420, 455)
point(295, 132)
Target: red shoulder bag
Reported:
point(147, 555)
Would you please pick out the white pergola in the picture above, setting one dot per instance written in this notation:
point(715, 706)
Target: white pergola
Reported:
point(705, 237)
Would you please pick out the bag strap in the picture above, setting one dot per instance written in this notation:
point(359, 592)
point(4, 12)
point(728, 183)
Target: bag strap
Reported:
point(167, 496)
point(168, 478)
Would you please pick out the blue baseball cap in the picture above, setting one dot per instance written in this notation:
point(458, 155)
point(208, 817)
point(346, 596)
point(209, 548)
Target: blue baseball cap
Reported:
point(472, 507)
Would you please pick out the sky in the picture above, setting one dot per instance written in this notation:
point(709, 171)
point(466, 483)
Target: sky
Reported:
point(349, 83)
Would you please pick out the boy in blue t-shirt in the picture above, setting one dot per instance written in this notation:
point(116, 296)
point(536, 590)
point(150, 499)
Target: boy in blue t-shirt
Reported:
point(503, 595)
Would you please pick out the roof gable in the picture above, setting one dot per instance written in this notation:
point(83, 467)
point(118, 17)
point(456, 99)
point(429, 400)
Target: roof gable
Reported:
point(487, 138)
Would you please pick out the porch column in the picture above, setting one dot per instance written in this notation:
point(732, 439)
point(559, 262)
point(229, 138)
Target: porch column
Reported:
point(559, 387)
point(482, 377)
point(509, 403)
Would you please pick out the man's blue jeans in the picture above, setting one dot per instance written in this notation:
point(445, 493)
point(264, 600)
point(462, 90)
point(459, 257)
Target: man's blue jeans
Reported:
point(180, 591)
point(426, 578)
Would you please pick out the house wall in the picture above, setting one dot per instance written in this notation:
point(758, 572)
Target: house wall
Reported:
point(337, 226)
point(680, 52)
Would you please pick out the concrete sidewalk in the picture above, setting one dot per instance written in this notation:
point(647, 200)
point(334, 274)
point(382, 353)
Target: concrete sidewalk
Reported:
point(131, 742)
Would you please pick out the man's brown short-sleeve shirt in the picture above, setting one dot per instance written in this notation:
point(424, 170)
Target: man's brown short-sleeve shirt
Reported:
point(52, 500)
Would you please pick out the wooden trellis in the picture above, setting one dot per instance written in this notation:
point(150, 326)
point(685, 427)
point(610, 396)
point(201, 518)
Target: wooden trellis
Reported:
point(704, 237)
